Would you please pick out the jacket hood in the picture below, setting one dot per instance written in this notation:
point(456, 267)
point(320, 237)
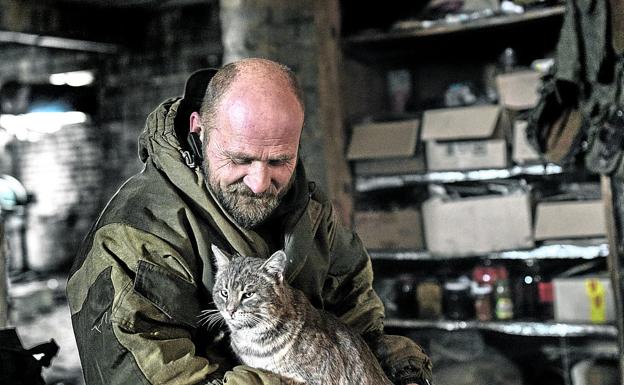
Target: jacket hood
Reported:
point(170, 120)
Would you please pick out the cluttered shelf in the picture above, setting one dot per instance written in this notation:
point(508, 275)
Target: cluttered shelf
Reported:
point(376, 182)
point(587, 250)
point(413, 29)
point(520, 328)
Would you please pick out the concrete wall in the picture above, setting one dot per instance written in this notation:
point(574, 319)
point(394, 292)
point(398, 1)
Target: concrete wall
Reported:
point(73, 172)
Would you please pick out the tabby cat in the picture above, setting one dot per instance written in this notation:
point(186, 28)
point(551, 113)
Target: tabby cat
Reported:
point(274, 326)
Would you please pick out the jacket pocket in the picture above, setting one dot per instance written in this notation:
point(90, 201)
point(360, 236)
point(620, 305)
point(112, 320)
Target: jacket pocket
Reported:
point(173, 295)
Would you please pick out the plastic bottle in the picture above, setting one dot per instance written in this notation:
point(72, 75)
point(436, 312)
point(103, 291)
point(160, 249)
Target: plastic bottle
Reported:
point(504, 308)
point(545, 300)
point(526, 292)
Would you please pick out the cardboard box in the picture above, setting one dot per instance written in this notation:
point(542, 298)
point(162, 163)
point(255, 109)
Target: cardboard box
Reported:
point(523, 152)
point(570, 219)
point(477, 225)
point(393, 166)
point(386, 148)
point(465, 138)
point(579, 299)
point(519, 90)
point(384, 140)
point(401, 229)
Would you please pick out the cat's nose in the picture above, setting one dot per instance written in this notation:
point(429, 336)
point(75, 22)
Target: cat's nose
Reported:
point(231, 311)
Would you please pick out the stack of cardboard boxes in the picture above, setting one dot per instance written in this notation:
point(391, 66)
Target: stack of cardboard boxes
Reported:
point(465, 138)
point(451, 139)
point(468, 138)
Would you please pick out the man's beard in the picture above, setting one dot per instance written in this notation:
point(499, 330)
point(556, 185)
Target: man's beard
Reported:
point(247, 208)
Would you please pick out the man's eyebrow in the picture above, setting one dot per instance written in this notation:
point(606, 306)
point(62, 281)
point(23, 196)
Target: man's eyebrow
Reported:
point(243, 156)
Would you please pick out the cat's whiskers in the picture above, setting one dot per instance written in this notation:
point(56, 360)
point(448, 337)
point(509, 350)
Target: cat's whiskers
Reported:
point(215, 322)
point(210, 318)
point(206, 313)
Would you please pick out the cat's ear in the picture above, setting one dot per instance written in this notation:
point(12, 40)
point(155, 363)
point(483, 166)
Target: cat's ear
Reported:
point(276, 265)
point(221, 258)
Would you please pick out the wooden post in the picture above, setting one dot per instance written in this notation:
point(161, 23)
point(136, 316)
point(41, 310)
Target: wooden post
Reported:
point(4, 310)
point(612, 190)
point(327, 21)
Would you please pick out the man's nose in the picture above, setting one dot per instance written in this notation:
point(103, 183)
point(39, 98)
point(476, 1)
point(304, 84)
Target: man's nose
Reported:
point(258, 179)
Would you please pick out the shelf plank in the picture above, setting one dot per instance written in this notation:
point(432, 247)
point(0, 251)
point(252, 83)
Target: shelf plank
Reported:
point(450, 28)
point(23, 38)
point(371, 183)
point(555, 251)
point(519, 328)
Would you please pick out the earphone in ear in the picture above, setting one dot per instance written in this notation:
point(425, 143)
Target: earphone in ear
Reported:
point(195, 146)
point(193, 156)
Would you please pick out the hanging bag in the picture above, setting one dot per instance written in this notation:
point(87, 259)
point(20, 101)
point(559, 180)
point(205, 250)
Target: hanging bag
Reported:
point(580, 109)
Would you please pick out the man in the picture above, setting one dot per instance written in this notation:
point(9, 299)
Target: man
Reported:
point(144, 272)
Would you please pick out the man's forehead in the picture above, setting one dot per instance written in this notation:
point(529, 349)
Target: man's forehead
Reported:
point(262, 120)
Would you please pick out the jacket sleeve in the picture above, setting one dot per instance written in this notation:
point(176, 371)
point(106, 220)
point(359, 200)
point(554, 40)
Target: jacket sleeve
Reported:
point(349, 294)
point(134, 305)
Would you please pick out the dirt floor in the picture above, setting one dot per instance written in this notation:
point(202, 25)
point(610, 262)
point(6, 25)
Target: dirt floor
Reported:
point(38, 310)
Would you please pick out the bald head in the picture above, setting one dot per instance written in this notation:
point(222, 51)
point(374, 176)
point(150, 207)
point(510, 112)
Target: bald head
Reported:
point(261, 76)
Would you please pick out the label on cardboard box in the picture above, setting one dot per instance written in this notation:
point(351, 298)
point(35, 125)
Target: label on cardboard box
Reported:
point(466, 155)
point(579, 299)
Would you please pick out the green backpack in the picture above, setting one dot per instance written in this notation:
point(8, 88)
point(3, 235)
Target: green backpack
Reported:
point(581, 108)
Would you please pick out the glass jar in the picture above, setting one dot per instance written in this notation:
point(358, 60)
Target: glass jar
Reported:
point(546, 300)
point(503, 303)
point(458, 304)
point(482, 302)
point(406, 296)
point(429, 297)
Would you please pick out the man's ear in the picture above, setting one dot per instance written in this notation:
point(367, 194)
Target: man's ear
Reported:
point(276, 265)
point(195, 124)
point(222, 259)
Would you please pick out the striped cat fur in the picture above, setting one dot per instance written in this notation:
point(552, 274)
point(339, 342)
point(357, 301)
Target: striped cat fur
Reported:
point(274, 327)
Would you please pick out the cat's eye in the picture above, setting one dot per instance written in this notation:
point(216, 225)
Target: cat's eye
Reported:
point(248, 294)
point(224, 293)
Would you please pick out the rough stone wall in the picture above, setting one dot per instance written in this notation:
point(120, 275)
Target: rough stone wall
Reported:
point(283, 31)
point(73, 172)
point(62, 170)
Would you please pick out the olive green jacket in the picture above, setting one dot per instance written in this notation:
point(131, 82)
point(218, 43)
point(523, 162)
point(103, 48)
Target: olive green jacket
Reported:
point(144, 273)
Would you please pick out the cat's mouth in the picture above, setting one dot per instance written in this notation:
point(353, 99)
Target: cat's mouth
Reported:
point(241, 320)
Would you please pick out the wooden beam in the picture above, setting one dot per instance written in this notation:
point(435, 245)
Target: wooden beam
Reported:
point(339, 182)
point(612, 190)
point(4, 311)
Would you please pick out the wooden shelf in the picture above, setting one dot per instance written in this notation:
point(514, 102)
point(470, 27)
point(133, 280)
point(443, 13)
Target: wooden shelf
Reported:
point(370, 183)
point(21, 38)
point(519, 328)
point(407, 32)
point(589, 250)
